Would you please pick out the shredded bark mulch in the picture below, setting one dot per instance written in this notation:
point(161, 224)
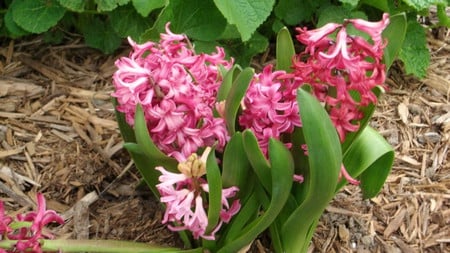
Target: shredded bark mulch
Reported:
point(58, 136)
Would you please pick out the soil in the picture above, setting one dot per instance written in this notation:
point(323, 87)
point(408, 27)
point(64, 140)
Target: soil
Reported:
point(58, 136)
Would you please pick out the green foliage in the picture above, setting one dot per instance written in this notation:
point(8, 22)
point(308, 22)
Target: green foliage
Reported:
point(244, 28)
point(414, 52)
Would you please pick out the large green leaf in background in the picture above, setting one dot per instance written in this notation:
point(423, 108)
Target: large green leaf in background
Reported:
point(125, 22)
point(325, 159)
point(37, 16)
point(247, 15)
point(199, 20)
point(144, 7)
point(394, 35)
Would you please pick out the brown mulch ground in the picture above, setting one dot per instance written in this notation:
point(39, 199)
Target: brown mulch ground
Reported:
point(58, 136)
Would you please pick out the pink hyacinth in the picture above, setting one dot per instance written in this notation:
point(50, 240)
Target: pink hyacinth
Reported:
point(183, 195)
point(177, 89)
point(28, 237)
point(344, 71)
point(270, 106)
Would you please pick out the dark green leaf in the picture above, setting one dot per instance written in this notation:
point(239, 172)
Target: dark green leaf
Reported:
point(350, 3)
point(235, 168)
point(126, 22)
point(13, 29)
point(37, 16)
point(257, 159)
point(73, 5)
point(325, 159)
point(285, 50)
point(109, 5)
point(215, 192)
point(379, 4)
point(199, 20)
point(126, 130)
point(371, 158)
point(247, 15)
point(419, 5)
point(294, 12)
point(99, 34)
point(282, 167)
point(227, 82)
point(395, 35)
point(144, 7)
point(246, 51)
point(235, 96)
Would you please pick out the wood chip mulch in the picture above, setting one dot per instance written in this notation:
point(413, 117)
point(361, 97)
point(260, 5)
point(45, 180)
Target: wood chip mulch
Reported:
point(58, 136)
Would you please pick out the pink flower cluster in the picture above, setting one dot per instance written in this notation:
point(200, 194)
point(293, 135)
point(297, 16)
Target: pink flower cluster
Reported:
point(343, 71)
point(177, 89)
point(183, 195)
point(28, 237)
point(270, 106)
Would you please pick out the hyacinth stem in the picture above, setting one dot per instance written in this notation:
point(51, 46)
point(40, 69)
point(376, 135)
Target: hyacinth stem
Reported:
point(101, 246)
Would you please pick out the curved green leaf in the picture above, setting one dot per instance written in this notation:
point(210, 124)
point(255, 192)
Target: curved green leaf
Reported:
point(282, 166)
point(395, 34)
point(126, 130)
point(148, 146)
point(285, 50)
point(37, 16)
point(235, 166)
point(259, 163)
point(235, 96)
point(227, 82)
point(325, 160)
point(371, 158)
point(215, 191)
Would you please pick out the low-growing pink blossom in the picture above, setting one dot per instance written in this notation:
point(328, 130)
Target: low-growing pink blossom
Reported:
point(177, 89)
point(183, 195)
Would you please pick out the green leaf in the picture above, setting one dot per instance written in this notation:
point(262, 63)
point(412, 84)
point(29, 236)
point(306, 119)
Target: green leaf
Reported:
point(235, 96)
point(126, 22)
point(148, 146)
point(227, 82)
point(294, 12)
point(419, 5)
point(371, 158)
point(109, 5)
point(259, 163)
point(199, 20)
point(325, 158)
point(247, 15)
point(73, 5)
point(215, 191)
point(285, 50)
point(444, 20)
point(12, 28)
point(282, 167)
point(244, 52)
point(414, 52)
point(99, 34)
point(37, 16)
point(235, 168)
point(126, 130)
point(144, 7)
point(395, 35)
point(350, 3)
point(379, 4)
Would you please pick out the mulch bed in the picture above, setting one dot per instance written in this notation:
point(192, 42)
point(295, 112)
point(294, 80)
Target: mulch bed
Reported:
point(58, 136)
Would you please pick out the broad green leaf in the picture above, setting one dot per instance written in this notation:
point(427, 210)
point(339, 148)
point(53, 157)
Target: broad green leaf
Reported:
point(99, 34)
point(325, 158)
point(109, 5)
point(12, 28)
point(282, 174)
point(244, 52)
point(235, 167)
point(285, 50)
point(395, 35)
point(259, 163)
point(414, 52)
point(73, 5)
point(235, 96)
point(148, 146)
point(351, 3)
point(370, 157)
point(37, 16)
point(199, 20)
point(337, 14)
point(144, 7)
point(419, 5)
point(293, 12)
point(126, 22)
point(215, 191)
point(379, 4)
point(247, 15)
point(444, 20)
